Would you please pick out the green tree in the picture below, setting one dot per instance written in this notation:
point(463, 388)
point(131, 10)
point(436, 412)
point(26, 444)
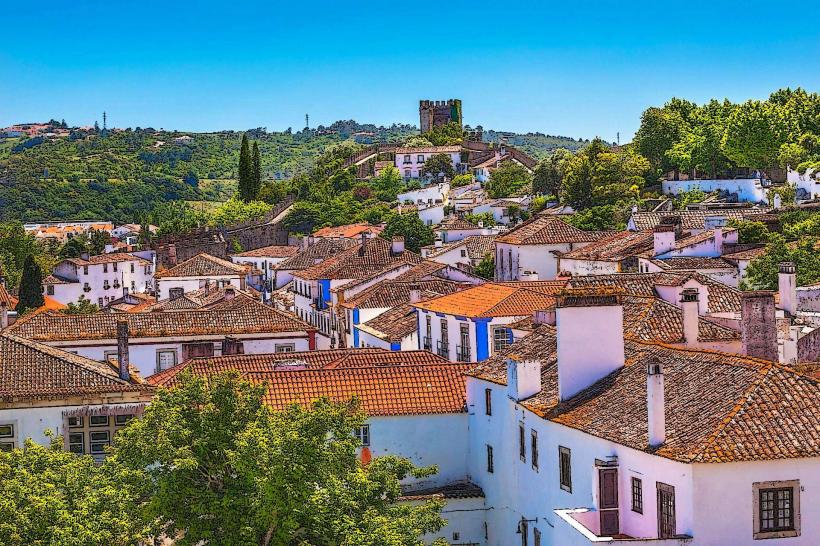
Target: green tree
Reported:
point(549, 173)
point(223, 469)
point(235, 211)
point(460, 180)
point(74, 247)
point(82, 307)
point(52, 496)
point(257, 171)
point(749, 232)
point(246, 181)
point(507, 179)
point(97, 239)
point(388, 184)
point(660, 129)
point(15, 247)
point(417, 141)
point(754, 134)
point(447, 134)
point(761, 273)
point(439, 166)
point(486, 267)
point(600, 218)
point(409, 226)
point(31, 287)
point(485, 219)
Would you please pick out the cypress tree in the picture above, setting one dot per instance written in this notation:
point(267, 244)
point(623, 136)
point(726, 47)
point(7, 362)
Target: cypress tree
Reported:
point(257, 171)
point(31, 286)
point(245, 171)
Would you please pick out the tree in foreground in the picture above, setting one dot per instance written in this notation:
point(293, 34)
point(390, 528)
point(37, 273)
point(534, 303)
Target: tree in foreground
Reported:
point(226, 470)
point(31, 286)
point(51, 496)
point(409, 226)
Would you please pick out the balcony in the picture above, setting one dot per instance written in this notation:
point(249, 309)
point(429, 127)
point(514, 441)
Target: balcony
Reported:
point(578, 526)
point(428, 344)
point(443, 349)
point(463, 353)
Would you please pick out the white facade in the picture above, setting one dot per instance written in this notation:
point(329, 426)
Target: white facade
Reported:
point(463, 339)
point(808, 182)
point(99, 283)
point(410, 162)
point(747, 189)
point(429, 195)
point(431, 215)
point(512, 261)
point(189, 284)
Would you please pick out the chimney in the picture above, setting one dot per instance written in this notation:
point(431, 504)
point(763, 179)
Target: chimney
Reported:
point(230, 293)
point(438, 243)
point(415, 294)
point(689, 307)
point(718, 234)
point(664, 238)
point(122, 350)
point(655, 405)
point(590, 336)
point(523, 378)
point(397, 246)
point(758, 326)
point(84, 255)
point(172, 254)
point(787, 287)
point(546, 316)
point(778, 201)
point(4, 315)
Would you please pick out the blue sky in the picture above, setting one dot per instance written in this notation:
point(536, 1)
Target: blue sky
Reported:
point(579, 69)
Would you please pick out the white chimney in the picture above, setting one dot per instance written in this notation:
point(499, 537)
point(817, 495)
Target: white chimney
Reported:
point(415, 294)
point(523, 378)
point(438, 243)
point(778, 201)
point(689, 307)
point(718, 233)
point(590, 335)
point(122, 350)
point(655, 404)
point(664, 238)
point(397, 245)
point(4, 315)
point(787, 287)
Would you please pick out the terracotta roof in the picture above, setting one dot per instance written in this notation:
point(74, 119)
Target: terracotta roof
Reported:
point(8, 299)
point(364, 260)
point(720, 407)
point(721, 298)
point(692, 263)
point(492, 300)
point(31, 371)
point(703, 236)
point(108, 258)
point(328, 359)
point(422, 270)
point(319, 250)
point(349, 231)
point(746, 253)
point(250, 318)
point(53, 279)
point(545, 230)
point(690, 219)
point(272, 251)
point(428, 150)
point(614, 248)
point(477, 246)
point(392, 292)
point(200, 299)
point(203, 265)
point(456, 223)
point(393, 325)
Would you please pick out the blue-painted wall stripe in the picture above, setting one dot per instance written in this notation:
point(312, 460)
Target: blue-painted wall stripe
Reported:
point(482, 350)
point(355, 330)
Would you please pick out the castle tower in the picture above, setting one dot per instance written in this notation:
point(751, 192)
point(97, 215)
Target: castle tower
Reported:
point(434, 113)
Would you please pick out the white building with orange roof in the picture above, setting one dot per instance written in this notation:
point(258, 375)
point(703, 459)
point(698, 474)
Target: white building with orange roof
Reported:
point(195, 272)
point(99, 279)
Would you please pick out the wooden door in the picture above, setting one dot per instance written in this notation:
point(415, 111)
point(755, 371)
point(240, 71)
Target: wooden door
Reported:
point(666, 511)
point(608, 501)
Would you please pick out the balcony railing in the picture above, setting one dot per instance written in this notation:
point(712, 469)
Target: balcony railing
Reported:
point(428, 343)
point(443, 349)
point(463, 353)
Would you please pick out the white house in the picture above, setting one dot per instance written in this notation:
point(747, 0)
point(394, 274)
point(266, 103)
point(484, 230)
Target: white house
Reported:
point(468, 251)
point(193, 273)
point(531, 250)
point(615, 253)
point(752, 190)
point(455, 228)
point(429, 195)
point(506, 212)
point(807, 184)
point(625, 442)
point(82, 401)
point(265, 260)
point(410, 161)
point(99, 279)
point(430, 215)
point(160, 340)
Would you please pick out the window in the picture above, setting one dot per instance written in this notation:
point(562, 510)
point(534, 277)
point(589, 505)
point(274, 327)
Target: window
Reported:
point(565, 468)
point(464, 349)
point(489, 458)
point(407, 158)
point(75, 422)
point(488, 401)
point(420, 158)
point(132, 267)
point(122, 420)
point(522, 442)
point(8, 440)
point(98, 440)
point(777, 509)
point(176, 293)
point(534, 448)
point(407, 173)
point(362, 434)
point(100, 303)
point(98, 421)
point(115, 267)
point(285, 348)
point(637, 495)
point(85, 270)
point(501, 339)
point(105, 268)
point(536, 537)
point(50, 289)
point(76, 442)
point(108, 355)
point(166, 359)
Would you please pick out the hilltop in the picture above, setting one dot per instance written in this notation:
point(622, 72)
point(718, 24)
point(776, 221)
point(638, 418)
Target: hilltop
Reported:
point(122, 174)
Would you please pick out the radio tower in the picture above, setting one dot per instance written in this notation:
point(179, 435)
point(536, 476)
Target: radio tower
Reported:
point(105, 120)
point(307, 122)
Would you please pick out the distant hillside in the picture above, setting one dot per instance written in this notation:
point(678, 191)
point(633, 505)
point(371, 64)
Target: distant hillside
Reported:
point(126, 173)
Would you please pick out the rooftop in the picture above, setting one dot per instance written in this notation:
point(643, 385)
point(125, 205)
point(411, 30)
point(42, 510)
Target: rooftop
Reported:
point(615, 247)
point(496, 299)
point(349, 231)
point(429, 150)
point(272, 251)
point(545, 230)
point(477, 247)
point(319, 250)
point(370, 257)
point(203, 265)
point(112, 257)
point(392, 292)
point(690, 219)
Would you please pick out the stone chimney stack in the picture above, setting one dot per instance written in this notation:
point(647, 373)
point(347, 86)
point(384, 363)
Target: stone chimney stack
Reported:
point(4, 315)
point(230, 293)
point(655, 404)
point(718, 233)
point(590, 336)
point(122, 350)
point(523, 378)
point(664, 238)
point(397, 246)
point(689, 308)
point(758, 328)
point(415, 294)
point(546, 316)
point(787, 287)
point(172, 254)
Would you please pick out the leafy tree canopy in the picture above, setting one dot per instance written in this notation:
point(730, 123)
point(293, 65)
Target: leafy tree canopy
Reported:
point(409, 226)
point(507, 179)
